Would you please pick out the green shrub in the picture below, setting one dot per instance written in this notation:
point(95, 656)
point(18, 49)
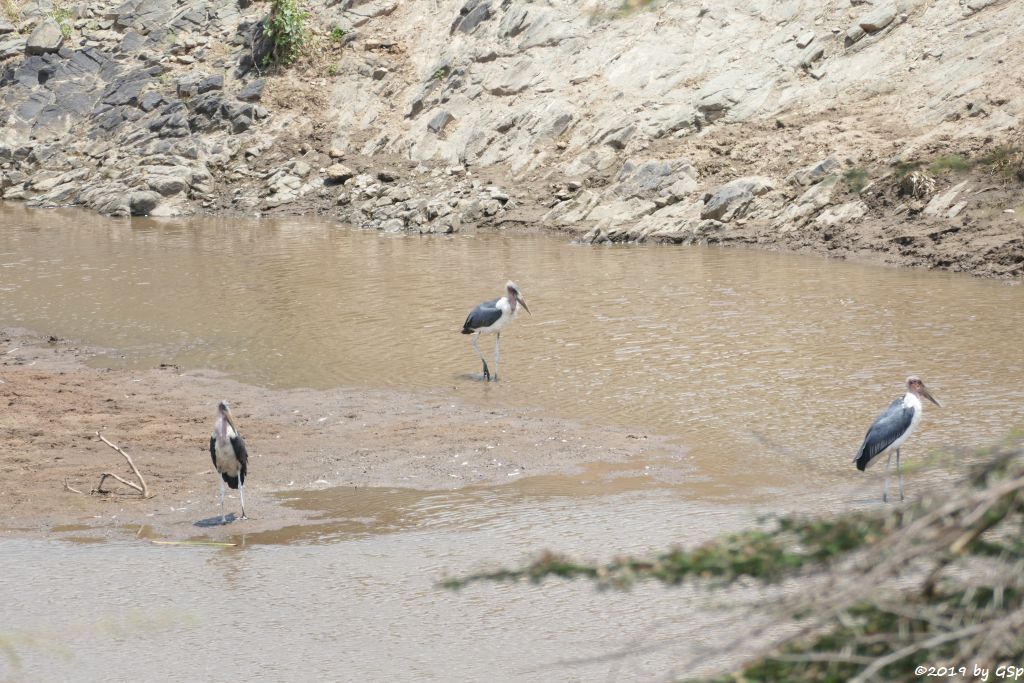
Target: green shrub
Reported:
point(286, 27)
point(63, 17)
point(338, 34)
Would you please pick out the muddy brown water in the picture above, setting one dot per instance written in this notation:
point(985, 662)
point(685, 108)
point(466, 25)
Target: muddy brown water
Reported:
point(765, 368)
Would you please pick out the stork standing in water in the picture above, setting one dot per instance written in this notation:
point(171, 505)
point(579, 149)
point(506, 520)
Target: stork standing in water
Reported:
point(230, 458)
point(492, 316)
point(892, 428)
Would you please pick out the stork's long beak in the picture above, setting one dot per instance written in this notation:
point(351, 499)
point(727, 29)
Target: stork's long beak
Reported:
point(226, 411)
point(522, 302)
point(928, 395)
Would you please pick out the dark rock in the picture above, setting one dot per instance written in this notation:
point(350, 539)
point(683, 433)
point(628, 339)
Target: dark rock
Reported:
point(88, 61)
point(439, 121)
point(144, 15)
point(192, 21)
point(126, 90)
point(29, 109)
point(11, 45)
point(253, 90)
point(415, 108)
point(150, 101)
point(45, 74)
point(142, 202)
point(215, 82)
point(233, 111)
point(132, 42)
point(45, 39)
point(240, 124)
point(210, 104)
point(53, 119)
point(110, 119)
point(480, 13)
point(188, 85)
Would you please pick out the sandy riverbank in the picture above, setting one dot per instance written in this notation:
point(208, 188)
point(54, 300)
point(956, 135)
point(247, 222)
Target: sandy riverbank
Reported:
point(298, 440)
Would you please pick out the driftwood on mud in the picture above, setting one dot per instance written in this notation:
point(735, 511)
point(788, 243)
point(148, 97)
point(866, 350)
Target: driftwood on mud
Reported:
point(141, 487)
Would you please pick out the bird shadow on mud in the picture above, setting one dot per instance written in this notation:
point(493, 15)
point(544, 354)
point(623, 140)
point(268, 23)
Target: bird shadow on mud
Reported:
point(216, 521)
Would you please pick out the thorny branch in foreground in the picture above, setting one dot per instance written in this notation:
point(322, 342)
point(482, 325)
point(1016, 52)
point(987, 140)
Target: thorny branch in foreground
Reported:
point(937, 581)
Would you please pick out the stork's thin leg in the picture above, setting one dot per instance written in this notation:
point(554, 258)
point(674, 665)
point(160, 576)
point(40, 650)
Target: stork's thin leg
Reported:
point(497, 353)
point(223, 518)
point(241, 495)
point(885, 487)
point(487, 374)
point(899, 474)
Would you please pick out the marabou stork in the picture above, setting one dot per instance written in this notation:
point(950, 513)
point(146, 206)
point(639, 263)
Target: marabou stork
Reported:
point(492, 316)
point(892, 428)
point(230, 459)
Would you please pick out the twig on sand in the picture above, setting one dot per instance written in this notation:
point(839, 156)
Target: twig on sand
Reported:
point(140, 487)
point(69, 487)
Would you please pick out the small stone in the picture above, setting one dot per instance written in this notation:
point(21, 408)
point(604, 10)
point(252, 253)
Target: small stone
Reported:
point(812, 54)
point(336, 174)
point(879, 18)
point(805, 40)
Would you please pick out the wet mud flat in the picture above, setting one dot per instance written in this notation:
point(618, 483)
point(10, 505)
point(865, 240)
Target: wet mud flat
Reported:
point(299, 440)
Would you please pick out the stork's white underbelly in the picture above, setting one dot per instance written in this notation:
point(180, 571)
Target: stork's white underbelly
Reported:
point(227, 461)
point(501, 322)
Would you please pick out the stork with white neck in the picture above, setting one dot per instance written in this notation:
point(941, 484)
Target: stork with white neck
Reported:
point(892, 428)
point(492, 316)
point(230, 459)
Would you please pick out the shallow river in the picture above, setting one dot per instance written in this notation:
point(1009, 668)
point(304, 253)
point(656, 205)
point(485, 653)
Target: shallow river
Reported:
point(766, 368)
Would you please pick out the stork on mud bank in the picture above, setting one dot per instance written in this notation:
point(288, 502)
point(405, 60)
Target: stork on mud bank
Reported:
point(492, 316)
point(891, 429)
point(230, 458)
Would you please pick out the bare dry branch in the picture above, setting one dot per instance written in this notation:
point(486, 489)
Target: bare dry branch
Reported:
point(140, 487)
point(99, 487)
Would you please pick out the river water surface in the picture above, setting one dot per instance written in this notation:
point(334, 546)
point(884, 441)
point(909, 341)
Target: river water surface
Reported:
point(766, 368)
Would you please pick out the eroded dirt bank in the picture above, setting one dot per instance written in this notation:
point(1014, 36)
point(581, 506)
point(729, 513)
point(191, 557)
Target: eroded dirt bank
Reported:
point(888, 131)
point(298, 440)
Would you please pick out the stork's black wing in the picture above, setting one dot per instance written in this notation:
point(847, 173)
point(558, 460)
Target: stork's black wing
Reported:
point(238, 443)
point(484, 315)
point(887, 428)
point(213, 451)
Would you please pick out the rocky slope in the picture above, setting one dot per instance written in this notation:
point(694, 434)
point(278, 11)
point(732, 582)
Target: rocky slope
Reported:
point(887, 128)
